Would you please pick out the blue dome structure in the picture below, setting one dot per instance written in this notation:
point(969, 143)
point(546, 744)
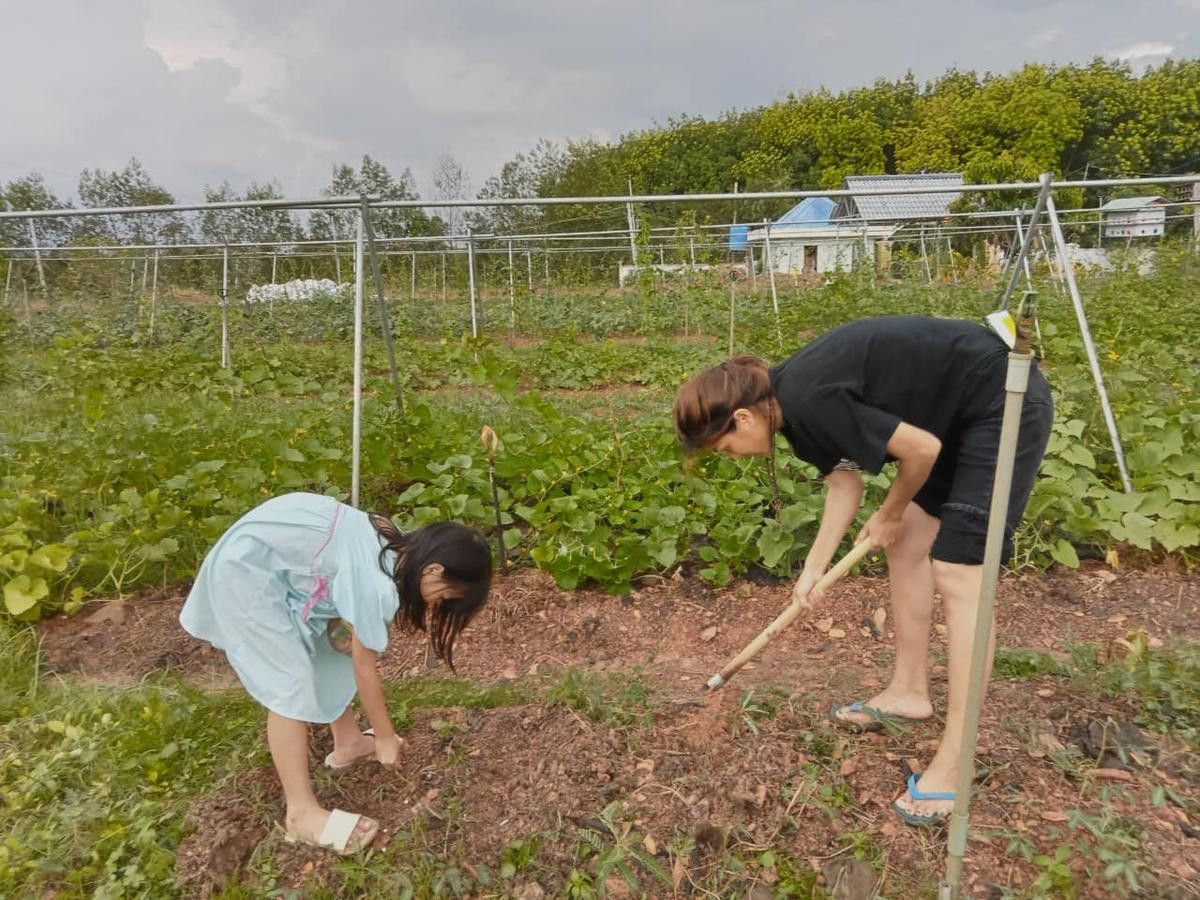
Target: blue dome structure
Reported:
point(812, 212)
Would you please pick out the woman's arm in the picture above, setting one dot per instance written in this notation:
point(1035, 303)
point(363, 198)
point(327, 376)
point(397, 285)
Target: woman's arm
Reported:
point(843, 493)
point(917, 450)
point(370, 693)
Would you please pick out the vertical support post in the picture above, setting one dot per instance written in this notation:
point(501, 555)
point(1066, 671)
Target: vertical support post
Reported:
point(274, 266)
point(1020, 361)
point(925, 257)
point(512, 291)
point(732, 310)
point(953, 264)
point(356, 415)
point(443, 277)
point(471, 281)
point(8, 270)
point(1043, 198)
point(1023, 256)
point(1085, 332)
point(1054, 265)
point(226, 362)
point(529, 270)
point(769, 262)
point(153, 297)
point(385, 324)
point(37, 256)
point(412, 272)
point(546, 261)
point(692, 248)
point(937, 253)
point(632, 234)
point(1196, 214)
point(28, 311)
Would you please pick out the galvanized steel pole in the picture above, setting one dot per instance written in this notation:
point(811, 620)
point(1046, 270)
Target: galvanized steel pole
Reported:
point(385, 323)
point(356, 416)
point(1045, 181)
point(37, 255)
point(153, 297)
point(632, 240)
point(1020, 361)
point(1085, 332)
point(226, 362)
point(512, 291)
point(471, 282)
point(769, 262)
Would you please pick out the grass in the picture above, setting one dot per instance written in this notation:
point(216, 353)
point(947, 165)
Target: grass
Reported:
point(18, 669)
point(619, 701)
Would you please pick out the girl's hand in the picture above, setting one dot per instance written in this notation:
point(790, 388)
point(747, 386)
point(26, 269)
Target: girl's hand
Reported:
point(387, 750)
point(804, 593)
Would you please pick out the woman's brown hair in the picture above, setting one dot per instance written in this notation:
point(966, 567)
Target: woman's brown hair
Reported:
point(704, 406)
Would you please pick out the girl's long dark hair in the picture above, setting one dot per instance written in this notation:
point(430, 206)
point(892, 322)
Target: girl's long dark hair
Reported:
point(466, 561)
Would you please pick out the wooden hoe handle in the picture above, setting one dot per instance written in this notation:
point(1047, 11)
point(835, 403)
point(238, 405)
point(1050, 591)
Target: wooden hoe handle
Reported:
point(785, 618)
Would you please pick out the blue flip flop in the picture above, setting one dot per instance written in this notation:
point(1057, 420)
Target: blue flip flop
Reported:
point(883, 720)
point(931, 821)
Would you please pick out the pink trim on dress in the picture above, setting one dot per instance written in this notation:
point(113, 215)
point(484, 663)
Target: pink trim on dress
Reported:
point(321, 589)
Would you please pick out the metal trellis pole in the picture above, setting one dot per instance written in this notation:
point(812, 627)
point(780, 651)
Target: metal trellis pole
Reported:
point(769, 262)
point(512, 291)
point(471, 282)
point(1020, 361)
point(226, 362)
point(385, 323)
point(356, 425)
point(10, 265)
point(632, 235)
point(1043, 198)
point(37, 256)
point(153, 297)
point(1085, 332)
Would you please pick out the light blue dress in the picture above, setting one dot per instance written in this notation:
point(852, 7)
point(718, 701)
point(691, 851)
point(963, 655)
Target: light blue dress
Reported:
point(268, 589)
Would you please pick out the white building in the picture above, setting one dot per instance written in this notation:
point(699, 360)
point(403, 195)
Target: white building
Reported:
point(806, 239)
point(818, 235)
point(1132, 217)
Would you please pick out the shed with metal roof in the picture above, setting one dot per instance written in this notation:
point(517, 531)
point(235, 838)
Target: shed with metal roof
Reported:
point(1131, 217)
point(898, 208)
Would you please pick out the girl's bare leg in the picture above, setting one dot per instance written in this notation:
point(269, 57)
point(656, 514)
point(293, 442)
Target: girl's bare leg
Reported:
point(305, 817)
point(350, 744)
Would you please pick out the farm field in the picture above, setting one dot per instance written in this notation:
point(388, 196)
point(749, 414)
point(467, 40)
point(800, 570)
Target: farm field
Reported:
point(573, 753)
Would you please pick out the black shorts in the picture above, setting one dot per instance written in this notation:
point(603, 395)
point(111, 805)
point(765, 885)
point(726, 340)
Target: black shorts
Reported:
point(959, 489)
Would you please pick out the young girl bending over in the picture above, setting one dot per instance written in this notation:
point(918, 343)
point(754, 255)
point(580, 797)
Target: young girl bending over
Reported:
point(299, 594)
point(930, 394)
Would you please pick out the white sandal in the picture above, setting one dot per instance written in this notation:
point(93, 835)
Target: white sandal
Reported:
point(329, 763)
point(339, 828)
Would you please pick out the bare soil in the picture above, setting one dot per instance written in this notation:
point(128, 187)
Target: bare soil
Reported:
point(752, 766)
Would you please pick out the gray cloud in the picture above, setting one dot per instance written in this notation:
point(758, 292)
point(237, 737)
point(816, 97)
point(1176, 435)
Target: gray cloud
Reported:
point(253, 90)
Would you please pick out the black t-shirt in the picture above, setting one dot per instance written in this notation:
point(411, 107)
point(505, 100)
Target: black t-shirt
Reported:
point(843, 394)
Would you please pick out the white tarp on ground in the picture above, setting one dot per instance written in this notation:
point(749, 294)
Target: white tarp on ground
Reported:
point(300, 289)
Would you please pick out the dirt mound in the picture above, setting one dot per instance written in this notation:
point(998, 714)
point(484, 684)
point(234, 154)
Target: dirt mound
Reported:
point(120, 641)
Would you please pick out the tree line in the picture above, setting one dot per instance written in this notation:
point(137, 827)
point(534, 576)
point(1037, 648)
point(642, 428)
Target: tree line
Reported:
point(1083, 122)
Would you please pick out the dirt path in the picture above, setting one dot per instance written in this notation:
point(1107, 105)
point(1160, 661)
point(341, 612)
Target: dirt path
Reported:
point(751, 767)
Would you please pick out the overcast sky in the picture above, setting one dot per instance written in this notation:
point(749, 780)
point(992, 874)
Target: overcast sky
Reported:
point(205, 91)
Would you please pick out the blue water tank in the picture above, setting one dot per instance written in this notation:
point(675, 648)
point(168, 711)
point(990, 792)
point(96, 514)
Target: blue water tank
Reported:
point(737, 237)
